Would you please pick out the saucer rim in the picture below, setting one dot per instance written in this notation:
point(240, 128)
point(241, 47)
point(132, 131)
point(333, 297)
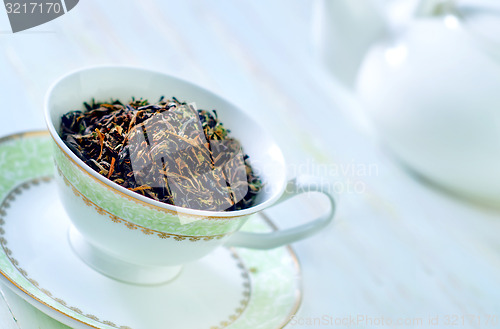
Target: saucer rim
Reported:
point(64, 318)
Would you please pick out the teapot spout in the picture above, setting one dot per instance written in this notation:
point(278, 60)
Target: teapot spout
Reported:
point(343, 31)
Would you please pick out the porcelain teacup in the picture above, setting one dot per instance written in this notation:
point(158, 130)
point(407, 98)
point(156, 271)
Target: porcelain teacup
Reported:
point(136, 239)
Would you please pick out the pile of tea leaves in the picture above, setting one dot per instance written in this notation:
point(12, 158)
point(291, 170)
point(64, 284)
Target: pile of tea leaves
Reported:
point(167, 151)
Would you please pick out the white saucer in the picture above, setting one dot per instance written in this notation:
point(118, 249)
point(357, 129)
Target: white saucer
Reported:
point(230, 288)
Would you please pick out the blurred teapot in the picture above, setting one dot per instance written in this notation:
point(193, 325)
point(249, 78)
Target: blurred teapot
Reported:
point(430, 86)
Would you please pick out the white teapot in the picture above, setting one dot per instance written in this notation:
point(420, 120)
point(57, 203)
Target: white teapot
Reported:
point(431, 87)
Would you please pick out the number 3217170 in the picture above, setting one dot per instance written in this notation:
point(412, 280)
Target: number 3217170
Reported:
point(33, 8)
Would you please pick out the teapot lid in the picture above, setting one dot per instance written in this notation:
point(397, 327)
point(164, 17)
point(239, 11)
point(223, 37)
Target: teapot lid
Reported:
point(481, 18)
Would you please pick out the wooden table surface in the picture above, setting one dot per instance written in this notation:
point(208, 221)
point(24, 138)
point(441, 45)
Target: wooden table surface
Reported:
point(398, 248)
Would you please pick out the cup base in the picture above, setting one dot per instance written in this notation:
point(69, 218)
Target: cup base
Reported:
point(118, 269)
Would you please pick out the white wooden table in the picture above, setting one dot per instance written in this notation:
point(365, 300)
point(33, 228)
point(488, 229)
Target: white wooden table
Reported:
point(399, 249)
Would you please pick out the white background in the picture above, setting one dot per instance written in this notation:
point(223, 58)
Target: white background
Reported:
point(399, 248)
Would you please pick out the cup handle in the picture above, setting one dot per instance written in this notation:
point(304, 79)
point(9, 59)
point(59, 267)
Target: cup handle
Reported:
point(283, 237)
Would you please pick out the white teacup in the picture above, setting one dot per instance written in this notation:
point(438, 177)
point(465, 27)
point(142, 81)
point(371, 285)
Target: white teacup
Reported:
point(135, 239)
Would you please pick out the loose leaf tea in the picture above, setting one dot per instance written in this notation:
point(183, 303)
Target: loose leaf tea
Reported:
point(168, 151)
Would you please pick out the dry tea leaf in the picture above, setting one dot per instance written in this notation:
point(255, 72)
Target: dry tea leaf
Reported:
point(167, 151)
